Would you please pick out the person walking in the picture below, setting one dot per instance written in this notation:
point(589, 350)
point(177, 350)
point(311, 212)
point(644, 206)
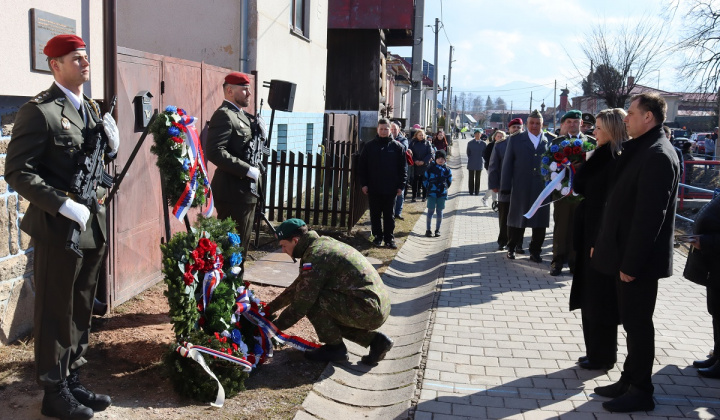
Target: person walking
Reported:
point(422, 152)
point(635, 244)
point(437, 181)
point(592, 291)
point(475, 150)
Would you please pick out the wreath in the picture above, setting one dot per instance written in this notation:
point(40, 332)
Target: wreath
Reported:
point(180, 160)
point(568, 154)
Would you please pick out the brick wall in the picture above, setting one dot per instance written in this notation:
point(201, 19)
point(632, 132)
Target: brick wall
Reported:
point(16, 281)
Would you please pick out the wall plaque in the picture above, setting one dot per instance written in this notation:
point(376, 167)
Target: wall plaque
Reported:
point(44, 26)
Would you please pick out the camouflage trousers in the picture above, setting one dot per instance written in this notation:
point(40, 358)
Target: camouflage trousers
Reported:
point(338, 316)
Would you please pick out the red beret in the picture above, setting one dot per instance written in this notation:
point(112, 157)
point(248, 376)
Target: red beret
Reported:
point(515, 121)
point(62, 44)
point(237, 78)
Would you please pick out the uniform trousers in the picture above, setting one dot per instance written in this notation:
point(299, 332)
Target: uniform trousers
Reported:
point(242, 213)
point(382, 220)
point(713, 304)
point(564, 218)
point(636, 302)
point(474, 182)
point(336, 316)
point(65, 289)
point(515, 237)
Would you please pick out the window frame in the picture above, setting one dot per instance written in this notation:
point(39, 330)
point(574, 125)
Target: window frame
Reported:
point(304, 31)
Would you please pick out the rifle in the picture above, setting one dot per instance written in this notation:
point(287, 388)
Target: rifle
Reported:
point(257, 147)
point(89, 174)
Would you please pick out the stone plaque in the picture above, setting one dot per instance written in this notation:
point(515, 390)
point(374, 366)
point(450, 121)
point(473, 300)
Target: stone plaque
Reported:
point(45, 26)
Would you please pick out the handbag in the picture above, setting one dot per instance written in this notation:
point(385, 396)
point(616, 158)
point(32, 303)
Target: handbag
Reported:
point(695, 268)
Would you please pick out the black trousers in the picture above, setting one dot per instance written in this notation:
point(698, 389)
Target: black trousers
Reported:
point(242, 213)
point(417, 182)
point(382, 220)
point(713, 304)
point(64, 292)
point(636, 302)
point(564, 218)
point(515, 237)
point(474, 182)
point(503, 209)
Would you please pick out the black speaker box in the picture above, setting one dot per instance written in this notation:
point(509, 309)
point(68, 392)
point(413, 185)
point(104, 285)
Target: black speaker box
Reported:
point(282, 95)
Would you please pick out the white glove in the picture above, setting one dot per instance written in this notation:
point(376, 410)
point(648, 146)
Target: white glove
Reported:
point(112, 132)
point(253, 173)
point(76, 212)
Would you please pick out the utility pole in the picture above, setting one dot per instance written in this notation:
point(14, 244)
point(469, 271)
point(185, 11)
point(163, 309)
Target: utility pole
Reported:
point(435, 78)
point(531, 102)
point(447, 119)
point(417, 65)
point(554, 106)
point(511, 109)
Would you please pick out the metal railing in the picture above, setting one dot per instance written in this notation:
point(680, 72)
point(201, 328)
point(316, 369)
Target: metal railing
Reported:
point(706, 193)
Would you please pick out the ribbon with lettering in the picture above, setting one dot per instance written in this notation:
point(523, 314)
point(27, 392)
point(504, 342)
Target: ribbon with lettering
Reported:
point(196, 166)
point(552, 185)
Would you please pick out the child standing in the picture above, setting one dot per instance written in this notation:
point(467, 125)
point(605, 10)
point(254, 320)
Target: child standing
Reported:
point(437, 180)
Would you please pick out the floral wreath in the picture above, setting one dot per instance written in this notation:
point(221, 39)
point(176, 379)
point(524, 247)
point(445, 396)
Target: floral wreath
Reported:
point(568, 154)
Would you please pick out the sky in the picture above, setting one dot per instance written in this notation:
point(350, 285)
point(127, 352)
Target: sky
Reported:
point(510, 49)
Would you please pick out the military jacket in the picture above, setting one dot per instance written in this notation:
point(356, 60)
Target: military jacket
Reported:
point(328, 268)
point(228, 135)
point(41, 161)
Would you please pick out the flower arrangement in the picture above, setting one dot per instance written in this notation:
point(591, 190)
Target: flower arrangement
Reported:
point(567, 154)
point(180, 160)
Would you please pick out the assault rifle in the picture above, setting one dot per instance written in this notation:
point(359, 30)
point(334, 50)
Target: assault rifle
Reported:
point(89, 173)
point(257, 147)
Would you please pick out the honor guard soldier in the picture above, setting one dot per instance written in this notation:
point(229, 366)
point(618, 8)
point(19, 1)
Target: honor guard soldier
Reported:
point(338, 290)
point(232, 147)
point(48, 136)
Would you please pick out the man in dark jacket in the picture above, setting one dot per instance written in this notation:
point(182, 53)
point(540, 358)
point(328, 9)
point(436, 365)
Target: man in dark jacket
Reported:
point(635, 243)
point(494, 174)
point(382, 171)
point(398, 136)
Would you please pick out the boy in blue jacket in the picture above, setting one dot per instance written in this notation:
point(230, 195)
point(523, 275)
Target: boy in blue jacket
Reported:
point(437, 180)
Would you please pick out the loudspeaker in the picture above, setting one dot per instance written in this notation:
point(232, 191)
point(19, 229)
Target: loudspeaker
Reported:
point(282, 95)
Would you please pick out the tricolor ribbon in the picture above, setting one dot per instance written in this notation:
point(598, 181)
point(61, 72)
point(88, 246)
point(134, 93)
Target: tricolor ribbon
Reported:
point(552, 185)
point(210, 282)
point(197, 163)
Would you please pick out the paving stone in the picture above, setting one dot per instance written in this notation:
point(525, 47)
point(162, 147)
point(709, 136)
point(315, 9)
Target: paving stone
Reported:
point(351, 395)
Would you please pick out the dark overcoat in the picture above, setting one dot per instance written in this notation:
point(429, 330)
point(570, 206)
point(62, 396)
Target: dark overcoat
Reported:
point(495, 170)
point(521, 177)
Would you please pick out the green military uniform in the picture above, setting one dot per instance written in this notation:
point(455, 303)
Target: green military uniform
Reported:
point(338, 290)
point(229, 134)
point(48, 133)
point(564, 218)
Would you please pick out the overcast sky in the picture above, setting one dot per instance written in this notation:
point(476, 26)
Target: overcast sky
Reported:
point(501, 42)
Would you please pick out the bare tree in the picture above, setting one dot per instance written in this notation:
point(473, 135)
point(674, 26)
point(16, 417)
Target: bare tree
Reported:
point(623, 56)
point(500, 104)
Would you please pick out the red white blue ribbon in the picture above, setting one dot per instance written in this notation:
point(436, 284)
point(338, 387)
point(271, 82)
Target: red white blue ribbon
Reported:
point(567, 167)
point(197, 163)
point(210, 282)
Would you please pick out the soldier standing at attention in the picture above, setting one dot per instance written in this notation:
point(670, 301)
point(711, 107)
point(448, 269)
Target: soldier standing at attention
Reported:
point(338, 290)
point(230, 147)
point(49, 132)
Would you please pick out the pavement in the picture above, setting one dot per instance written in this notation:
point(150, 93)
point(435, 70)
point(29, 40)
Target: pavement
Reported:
point(478, 336)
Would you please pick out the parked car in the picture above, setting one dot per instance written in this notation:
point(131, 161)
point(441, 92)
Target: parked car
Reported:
point(700, 146)
point(679, 132)
point(679, 141)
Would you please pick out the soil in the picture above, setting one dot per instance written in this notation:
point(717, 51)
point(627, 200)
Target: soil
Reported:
point(126, 349)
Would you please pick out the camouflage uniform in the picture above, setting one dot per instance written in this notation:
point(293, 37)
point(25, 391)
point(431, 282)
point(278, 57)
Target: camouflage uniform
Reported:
point(341, 293)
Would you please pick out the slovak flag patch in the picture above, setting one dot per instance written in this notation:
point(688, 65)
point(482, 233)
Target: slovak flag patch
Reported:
point(307, 267)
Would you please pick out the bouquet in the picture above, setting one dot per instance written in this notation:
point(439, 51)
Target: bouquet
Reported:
point(565, 156)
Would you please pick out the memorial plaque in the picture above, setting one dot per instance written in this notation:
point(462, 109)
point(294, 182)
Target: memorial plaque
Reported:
point(45, 26)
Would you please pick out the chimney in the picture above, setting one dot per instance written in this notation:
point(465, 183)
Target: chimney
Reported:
point(563, 106)
point(631, 80)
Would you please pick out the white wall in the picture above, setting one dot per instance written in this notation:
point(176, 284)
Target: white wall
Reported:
point(16, 75)
point(278, 54)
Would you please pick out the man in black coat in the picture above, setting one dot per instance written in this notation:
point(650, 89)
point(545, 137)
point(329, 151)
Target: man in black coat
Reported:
point(382, 171)
point(635, 243)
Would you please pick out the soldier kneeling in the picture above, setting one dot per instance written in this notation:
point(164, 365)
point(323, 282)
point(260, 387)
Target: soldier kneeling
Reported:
point(338, 290)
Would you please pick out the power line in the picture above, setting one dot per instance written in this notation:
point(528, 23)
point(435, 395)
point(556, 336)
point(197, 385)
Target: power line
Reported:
point(442, 25)
point(506, 90)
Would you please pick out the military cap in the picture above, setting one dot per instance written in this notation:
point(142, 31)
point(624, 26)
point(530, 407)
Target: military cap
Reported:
point(440, 154)
point(515, 121)
point(588, 118)
point(288, 227)
point(60, 45)
point(572, 114)
point(536, 114)
point(237, 78)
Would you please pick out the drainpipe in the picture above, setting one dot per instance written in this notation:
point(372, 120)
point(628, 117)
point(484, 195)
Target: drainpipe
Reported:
point(110, 51)
point(244, 22)
point(402, 104)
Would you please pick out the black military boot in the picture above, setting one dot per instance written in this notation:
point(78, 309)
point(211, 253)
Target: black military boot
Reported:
point(379, 346)
point(98, 402)
point(328, 353)
point(60, 403)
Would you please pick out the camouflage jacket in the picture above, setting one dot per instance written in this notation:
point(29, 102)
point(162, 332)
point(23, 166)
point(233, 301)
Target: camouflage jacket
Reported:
point(328, 268)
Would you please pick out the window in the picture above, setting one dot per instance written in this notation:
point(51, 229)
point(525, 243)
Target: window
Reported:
point(309, 139)
point(299, 18)
point(282, 139)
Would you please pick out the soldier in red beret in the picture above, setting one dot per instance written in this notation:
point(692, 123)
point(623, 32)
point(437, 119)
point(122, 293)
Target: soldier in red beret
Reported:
point(231, 146)
point(48, 135)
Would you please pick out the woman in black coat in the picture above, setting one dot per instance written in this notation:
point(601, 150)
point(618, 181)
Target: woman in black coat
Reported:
point(593, 292)
point(706, 241)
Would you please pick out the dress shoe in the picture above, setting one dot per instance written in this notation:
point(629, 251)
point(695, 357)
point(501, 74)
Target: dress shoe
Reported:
point(555, 270)
point(379, 347)
point(501, 247)
point(612, 391)
point(437, 233)
point(535, 258)
point(59, 402)
point(96, 402)
point(328, 353)
point(397, 216)
point(391, 244)
point(377, 242)
point(711, 372)
point(705, 363)
point(633, 400)
point(428, 233)
point(587, 364)
point(582, 359)
point(519, 250)
point(510, 255)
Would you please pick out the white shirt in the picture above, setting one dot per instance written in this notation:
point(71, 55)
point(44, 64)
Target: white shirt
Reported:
point(236, 107)
point(77, 101)
point(535, 139)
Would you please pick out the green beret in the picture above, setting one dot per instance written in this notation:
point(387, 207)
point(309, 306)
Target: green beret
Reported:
point(573, 114)
point(288, 227)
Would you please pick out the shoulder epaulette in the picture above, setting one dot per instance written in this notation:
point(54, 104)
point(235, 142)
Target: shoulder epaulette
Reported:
point(41, 97)
point(93, 105)
point(551, 135)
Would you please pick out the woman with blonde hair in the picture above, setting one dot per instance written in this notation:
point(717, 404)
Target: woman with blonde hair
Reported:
point(592, 291)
